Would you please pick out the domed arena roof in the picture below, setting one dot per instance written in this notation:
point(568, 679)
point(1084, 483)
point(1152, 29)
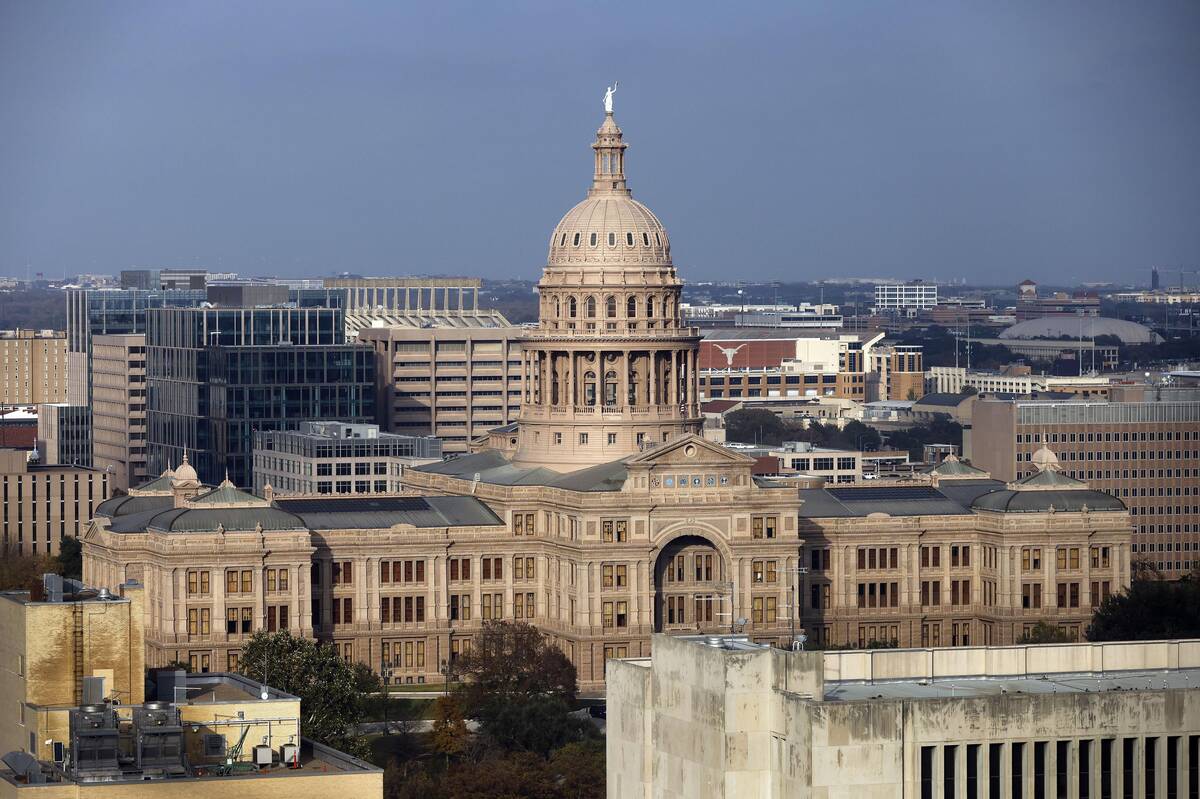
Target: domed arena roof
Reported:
point(1056, 327)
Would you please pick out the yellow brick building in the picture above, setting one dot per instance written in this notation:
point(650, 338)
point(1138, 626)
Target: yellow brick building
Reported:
point(78, 719)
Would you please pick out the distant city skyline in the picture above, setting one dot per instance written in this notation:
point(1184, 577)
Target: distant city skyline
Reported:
point(797, 142)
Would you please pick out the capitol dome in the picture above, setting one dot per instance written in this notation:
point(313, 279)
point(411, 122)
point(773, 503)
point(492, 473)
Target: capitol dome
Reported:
point(609, 228)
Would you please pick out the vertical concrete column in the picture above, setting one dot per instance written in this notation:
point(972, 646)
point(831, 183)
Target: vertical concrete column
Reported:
point(1139, 769)
point(652, 393)
point(623, 380)
point(939, 772)
point(1117, 770)
point(1051, 773)
point(571, 381)
point(960, 772)
point(673, 385)
point(1027, 776)
point(370, 586)
point(1160, 767)
point(300, 610)
point(1072, 770)
point(1006, 775)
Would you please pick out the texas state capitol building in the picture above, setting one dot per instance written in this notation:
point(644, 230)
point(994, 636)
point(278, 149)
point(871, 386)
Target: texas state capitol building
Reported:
point(603, 517)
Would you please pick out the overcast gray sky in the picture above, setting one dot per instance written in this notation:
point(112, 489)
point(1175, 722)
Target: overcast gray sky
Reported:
point(987, 140)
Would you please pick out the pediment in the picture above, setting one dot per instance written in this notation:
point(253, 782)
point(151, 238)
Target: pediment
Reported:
point(690, 450)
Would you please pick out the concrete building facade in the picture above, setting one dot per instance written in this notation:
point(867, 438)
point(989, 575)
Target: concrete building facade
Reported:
point(33, 367)
point(119, 408)
point(42, 504)
point(916, 295)
point(337, 458)
point(1146, 453)
point(719, 717)
point(454, 383)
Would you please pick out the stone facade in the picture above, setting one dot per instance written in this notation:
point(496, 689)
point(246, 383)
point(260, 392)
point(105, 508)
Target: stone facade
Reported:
point(722, 718)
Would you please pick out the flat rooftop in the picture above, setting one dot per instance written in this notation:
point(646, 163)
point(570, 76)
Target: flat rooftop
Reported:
point(959, 687)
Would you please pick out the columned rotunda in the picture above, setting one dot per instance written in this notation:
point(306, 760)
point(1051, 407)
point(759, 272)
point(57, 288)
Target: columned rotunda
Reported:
point(610, 368)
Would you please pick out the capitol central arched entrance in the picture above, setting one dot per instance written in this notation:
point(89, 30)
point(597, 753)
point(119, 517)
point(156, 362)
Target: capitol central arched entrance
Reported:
point(692, 592)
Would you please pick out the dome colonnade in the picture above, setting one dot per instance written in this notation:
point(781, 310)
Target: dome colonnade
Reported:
point(610, 367)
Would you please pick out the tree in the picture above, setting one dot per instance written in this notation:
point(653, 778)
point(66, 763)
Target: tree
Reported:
point(755, 426)
point(331, 704)
point(1043, 633)
point(1149, 610)
point(579, 769)
point(536, 723)
point(20, 571)
point(513, 660)
point(70, 558)
point(515, 775)
point(449, 734)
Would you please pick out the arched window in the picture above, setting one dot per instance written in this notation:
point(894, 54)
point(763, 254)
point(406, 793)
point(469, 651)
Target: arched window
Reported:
point(657, 240)
point(593, 240)
point(629, 239)
point(649, 307)
point(646, 238)
point(612, 239)
point(591, 307)
point(631, 307)
point(571, 308)
point(562, 240)
point(610, 307)
point(576, 242)
point(610, 388)
point(589, 388)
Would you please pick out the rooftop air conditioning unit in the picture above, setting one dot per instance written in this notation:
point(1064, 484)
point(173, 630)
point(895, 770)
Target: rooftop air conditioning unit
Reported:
point(289, 755)
point(263, 756)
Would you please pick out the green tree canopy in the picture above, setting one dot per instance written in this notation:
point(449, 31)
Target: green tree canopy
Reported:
point(331, 690)
point(755, 426)
point(1149, 610)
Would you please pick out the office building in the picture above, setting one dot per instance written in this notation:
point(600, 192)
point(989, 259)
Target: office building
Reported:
point(86, 724)
point(337, 458)
point(33, 367)
point(216, 375)
point(93, 312)
point(905, 298)
point(41, 504)
point(722, 718)
point(1147, 453)
point(65, 433)
point(119, 408)
point(455, 383)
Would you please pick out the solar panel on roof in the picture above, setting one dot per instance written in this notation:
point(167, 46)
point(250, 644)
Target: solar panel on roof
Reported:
point(888, 493)
point(354, 504)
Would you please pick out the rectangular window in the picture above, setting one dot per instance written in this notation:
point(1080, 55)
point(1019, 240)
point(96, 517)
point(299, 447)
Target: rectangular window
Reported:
point(247, 581)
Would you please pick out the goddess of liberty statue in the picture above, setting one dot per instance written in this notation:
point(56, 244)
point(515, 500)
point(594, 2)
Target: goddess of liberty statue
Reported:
point(608, 97)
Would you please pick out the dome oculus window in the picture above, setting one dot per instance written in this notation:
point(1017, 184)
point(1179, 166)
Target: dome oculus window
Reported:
point(593, 239)
point(646, 239)
point(657, 240)
point(612, 239)
point(576, 242)
point(629, 239)
point(562, 240)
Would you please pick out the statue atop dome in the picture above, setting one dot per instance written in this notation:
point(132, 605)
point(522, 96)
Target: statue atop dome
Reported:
point(608, 95)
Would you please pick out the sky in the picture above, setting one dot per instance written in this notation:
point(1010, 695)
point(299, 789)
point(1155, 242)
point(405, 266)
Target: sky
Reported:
point(967, 140)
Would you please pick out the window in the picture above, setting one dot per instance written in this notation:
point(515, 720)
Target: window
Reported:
point(931, 557)
point(612, 239)
point(1031, 559)
point(763, 610)
point(1031, 595)
point(615, 613)
point(764, 526)
point(614, 530)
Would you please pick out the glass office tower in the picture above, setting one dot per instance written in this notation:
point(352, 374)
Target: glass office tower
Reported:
point(216, 375)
